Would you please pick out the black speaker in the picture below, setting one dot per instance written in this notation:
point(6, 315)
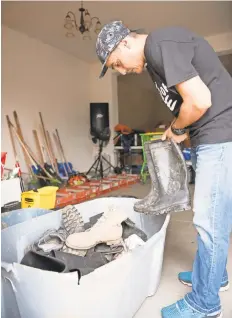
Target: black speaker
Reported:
point(100, 131)
point(99, 117)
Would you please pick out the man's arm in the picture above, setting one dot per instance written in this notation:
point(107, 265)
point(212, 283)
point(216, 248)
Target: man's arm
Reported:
point(196, 101)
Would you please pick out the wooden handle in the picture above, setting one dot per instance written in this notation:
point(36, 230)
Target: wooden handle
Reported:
point(24, 147)
point(60, 153)
point(62, 150)
point(11, 137)
point(29, 153)
point(19, 131)
point(57, 147)
point(52, 152)
point(46, 141)
point(37, 143)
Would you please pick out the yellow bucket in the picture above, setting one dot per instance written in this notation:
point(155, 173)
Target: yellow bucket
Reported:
point(44, 198)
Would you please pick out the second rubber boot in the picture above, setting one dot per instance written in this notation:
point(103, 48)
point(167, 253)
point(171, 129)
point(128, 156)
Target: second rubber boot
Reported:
point(151, 199)
point(171, 192)
point(172, 177)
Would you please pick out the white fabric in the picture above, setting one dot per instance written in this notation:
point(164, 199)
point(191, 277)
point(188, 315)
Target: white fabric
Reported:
point(10, 191)
point(133, 241)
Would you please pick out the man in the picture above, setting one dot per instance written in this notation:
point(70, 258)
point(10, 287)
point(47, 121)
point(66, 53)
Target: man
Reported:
point(195, 86)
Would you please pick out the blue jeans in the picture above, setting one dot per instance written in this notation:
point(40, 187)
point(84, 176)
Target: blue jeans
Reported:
point(213, 220)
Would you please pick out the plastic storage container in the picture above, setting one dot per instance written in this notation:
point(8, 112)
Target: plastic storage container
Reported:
point(10, 219)
point(21, 215)
point(29, 292)
point(11, 206)
point(44, 198)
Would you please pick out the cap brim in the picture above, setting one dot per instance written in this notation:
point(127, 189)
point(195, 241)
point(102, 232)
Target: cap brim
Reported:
point(104, 70)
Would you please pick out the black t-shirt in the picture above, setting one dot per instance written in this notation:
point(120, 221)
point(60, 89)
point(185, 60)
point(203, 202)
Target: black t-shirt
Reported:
point(174, 55)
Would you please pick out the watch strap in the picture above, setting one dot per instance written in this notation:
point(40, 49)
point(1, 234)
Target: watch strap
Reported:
point(178, 131)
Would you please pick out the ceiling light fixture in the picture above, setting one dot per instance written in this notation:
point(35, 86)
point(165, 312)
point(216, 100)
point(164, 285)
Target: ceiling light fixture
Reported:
point(87, 24)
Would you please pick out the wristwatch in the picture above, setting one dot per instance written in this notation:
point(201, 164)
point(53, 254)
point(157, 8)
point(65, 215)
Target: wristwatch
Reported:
point(178, 131)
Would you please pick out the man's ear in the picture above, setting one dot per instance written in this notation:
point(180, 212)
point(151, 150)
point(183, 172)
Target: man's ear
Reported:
point(125, 43)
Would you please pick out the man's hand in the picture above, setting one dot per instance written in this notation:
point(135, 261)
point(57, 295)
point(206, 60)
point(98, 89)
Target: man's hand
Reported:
point(168, 134)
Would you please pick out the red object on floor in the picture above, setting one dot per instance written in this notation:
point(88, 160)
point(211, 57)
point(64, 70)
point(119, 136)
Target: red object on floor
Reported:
point(3, 161)
point(17, 165)
point(94, 188)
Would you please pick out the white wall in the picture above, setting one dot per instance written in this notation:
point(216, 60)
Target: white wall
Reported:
point(37, 77)
point(105, 90)
point(227, 62)
point(139, 103)
point(221, 43)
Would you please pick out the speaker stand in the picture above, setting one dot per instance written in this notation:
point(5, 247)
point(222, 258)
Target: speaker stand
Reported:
point(97, 166)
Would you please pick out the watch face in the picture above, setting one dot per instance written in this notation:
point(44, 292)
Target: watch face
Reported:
point(178, 131)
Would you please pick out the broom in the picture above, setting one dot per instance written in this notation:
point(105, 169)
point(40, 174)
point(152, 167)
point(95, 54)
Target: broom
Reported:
point(34, 161)
point(15, 154)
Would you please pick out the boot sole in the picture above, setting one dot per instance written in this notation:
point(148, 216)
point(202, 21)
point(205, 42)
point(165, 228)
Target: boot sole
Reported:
point(222, 289)
point(72, 220)
point(174, 208)
point(220, 316)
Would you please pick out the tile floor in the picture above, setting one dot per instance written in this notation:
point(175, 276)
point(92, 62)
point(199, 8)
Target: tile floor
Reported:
point(179, 254)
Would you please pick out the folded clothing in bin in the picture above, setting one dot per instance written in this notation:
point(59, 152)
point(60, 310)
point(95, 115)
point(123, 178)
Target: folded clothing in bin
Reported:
point(137, 273)
point(51, 240)
point(51, 251)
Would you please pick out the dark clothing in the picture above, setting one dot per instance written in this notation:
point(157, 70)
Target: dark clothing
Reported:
point(174, 55)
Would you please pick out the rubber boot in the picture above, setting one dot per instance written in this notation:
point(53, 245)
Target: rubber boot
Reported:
point(170, 191)
point(150, 200)
point(130, 228)
point(48, 263)
point(44, 262)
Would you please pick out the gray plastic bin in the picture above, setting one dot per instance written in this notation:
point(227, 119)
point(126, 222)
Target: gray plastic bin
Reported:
point(21, 215)
point(115, 290)
point(10, 219)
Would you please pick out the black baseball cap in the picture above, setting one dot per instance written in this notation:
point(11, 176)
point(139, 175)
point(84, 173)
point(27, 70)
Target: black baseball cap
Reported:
point(108, 39)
